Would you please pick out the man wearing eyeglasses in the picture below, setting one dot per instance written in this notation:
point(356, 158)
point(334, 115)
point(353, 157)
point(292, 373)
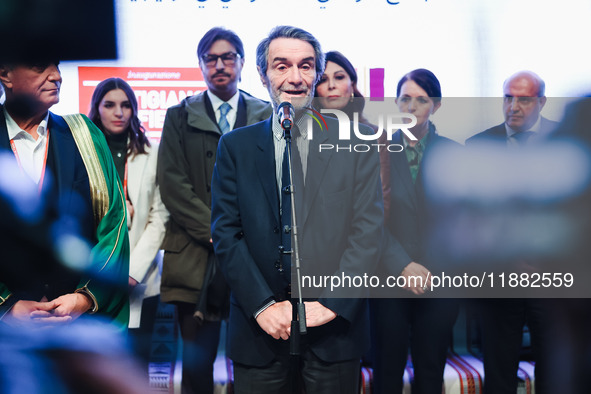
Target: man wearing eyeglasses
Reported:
point(186, 160)
point(524, 98)
point(503, 319)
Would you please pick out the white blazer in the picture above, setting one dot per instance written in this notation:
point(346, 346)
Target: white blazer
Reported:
point(146, 229)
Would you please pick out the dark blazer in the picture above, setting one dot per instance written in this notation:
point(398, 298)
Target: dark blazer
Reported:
point(499, 132)
point(408, 214)
point(502, 319)
point(66, 182)
point(404, 320)
point(66, 170)
point(340, 226)
point(185, 165)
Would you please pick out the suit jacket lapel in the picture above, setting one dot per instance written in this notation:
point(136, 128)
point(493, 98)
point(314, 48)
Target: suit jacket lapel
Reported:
point(240, 113)
point(61, 145)
point(400, 164)
point(196, 106)
point(58, 141)
point(265, 165)
point(56, 129)
point(547, 127)
point(209, 109)
point(316, 168)
point(499, 133)
point(432, 140)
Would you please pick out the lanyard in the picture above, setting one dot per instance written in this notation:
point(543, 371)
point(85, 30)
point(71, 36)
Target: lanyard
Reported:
point(18, 160)
point(125, 181)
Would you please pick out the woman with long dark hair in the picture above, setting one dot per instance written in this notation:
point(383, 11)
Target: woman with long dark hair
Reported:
point(114, 110)
point(337, 89)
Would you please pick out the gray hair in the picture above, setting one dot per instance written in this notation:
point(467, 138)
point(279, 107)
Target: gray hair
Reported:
point(289, 32)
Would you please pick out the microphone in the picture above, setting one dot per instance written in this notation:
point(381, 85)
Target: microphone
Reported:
point(286, 112)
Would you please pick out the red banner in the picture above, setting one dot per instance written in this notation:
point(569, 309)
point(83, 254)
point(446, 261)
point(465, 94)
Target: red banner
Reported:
point(156, 89)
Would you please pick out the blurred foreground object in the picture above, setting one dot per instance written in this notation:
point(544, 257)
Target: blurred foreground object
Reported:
point(57, 29)
point(84, 357)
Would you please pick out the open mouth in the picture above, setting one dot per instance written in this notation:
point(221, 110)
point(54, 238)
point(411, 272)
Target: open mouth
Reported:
point(296, 92)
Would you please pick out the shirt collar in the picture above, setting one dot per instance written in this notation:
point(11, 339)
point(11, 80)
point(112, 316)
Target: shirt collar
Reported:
point(535, 128)
point(14, 129)
point(300, 123)
point(216, 101)
point(422, 143)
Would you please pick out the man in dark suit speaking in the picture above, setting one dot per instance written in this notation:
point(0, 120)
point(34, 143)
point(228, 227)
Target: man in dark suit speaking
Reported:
point(341, 191)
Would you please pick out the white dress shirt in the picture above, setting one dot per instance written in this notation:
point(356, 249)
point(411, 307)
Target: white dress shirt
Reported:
point(217, 102)
point(31, 152)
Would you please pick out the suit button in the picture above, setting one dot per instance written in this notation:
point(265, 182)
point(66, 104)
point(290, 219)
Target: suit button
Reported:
point(209, 154)
point(276, 230)
point(277, 264)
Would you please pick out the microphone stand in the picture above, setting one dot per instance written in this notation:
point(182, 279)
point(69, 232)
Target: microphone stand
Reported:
point(298, 324)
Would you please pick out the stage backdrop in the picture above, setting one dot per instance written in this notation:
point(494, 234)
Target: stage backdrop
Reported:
point(471, 46)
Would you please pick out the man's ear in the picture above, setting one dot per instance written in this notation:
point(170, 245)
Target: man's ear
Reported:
point(240, 71)
point(5, 76)
point(542, 102)
point(262, 76)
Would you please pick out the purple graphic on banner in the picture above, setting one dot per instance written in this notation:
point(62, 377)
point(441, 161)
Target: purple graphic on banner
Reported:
point(376, 84)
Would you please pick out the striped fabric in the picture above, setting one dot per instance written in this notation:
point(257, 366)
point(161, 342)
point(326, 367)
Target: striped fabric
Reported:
point(366, 379)
point(463, 374)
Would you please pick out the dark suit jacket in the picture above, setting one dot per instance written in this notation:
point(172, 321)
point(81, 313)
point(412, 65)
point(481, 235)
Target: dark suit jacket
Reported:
point(340, 226)
point(67, 183)
point(499, 132)
point(407, 220)
point(185, 164)
point(503, 318)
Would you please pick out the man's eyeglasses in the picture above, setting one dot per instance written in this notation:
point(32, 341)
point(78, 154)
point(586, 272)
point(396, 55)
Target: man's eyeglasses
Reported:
point(228, 58)
point(520, 100)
